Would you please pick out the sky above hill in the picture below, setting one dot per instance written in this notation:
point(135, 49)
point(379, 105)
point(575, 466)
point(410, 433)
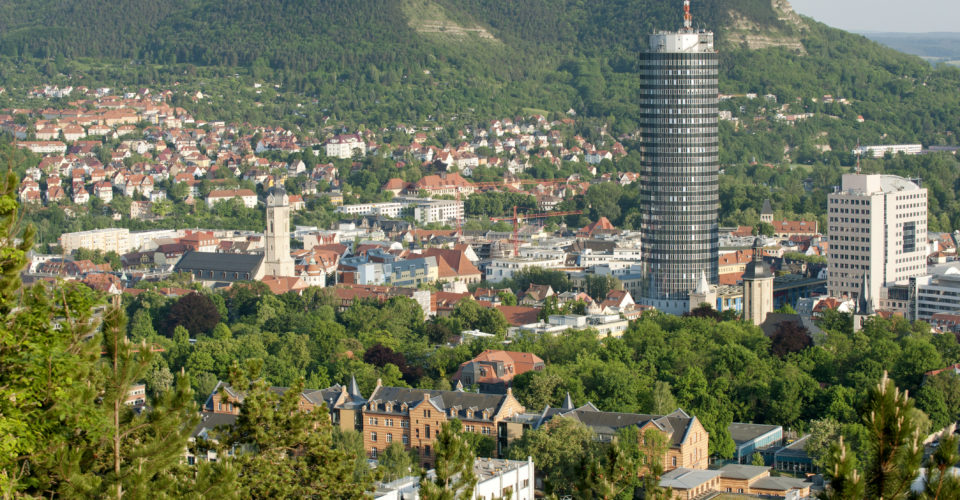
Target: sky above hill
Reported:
point(915, 16)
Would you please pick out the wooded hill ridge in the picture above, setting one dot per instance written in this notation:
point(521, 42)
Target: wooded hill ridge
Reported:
point(380, 62)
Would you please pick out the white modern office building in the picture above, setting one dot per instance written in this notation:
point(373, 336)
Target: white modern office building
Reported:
point(877, 225)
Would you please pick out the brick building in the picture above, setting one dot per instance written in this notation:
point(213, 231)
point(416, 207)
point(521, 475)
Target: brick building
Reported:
point(410, 416)
point(415, 416)
point(685, 435)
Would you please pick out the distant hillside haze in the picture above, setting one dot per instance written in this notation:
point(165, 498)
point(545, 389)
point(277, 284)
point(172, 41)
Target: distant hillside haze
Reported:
point(938, 47)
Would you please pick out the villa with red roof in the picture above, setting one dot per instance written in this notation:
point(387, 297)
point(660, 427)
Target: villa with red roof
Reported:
point(493, 371)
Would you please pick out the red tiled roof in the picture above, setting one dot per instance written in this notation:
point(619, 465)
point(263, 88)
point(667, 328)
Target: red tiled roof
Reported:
point(795, 226)
point(457, 263)
point(954, 367)
point(729, 278)
point(283, 284)
point(520, 315)
point(738, 257)
point(603, 224)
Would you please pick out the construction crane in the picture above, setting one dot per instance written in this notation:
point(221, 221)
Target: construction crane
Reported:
point(500, 184)
point(519, 217)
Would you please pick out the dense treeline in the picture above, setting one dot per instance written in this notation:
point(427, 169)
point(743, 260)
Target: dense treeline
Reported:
point(719, 369)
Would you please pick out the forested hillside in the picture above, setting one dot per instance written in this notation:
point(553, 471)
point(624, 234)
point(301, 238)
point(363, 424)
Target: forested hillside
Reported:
point(380, 61)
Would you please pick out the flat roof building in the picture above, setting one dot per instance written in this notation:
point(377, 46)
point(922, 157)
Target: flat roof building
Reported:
point(878, 228)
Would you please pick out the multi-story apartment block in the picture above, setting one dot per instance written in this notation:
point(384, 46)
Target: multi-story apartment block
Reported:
point(248, 197)
point(105, 240)
point(881, 150)
point(413, 272)
point(439, 211)
point(878, 227)
point(500, 269)
point(388, 209)
point(345, 146)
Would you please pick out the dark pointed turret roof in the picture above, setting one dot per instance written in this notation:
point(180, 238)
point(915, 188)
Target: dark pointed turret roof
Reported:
point(757, 268)
point(354, 389)
point(767, 209)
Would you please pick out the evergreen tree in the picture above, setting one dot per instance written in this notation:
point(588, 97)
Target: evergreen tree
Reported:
point(350, 442)
point(455, 478)
point(895, 449)
point(939, 482)
point(141, 326)
point(846, 483)
point(133, 453)
point(45, 361)
point(654, 446)
point(284, 452)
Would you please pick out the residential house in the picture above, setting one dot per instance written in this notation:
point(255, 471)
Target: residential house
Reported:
point(536, 295)
point(345, 146)
point(493, 371)
point(247, 196)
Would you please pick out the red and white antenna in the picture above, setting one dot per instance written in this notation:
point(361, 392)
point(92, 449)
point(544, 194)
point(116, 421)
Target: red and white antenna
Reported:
point(687, 17)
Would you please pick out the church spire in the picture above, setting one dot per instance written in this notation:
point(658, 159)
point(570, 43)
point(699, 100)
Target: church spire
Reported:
point(864, 304)
point(703, 287)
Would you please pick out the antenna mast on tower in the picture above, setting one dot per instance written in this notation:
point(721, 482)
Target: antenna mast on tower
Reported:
point(687, 17)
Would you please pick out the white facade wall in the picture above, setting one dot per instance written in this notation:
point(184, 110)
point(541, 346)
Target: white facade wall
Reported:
point(881, 150)
point(389, 209)
point(371, 273)
point(501, 269)
point(938, 294)
point(440, 211)
point(248, 201)
point(105, 240)
point(877, 224)
point(496, 478)
point(146, 240)
point(344, 149)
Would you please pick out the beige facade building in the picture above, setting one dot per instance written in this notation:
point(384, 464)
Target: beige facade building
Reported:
point(277, 260)
point(105, 240)
point(757, 287)
point(411, 417)
point(878, 228)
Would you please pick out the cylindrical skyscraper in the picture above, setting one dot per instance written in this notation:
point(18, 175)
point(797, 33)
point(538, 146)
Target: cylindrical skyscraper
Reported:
point(679, 166)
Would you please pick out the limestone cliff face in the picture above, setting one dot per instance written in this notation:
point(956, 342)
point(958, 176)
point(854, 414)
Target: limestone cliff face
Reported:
point(742, 32)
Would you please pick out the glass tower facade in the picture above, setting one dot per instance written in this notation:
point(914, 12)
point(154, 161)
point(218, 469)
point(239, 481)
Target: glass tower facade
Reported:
point(679, 163)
